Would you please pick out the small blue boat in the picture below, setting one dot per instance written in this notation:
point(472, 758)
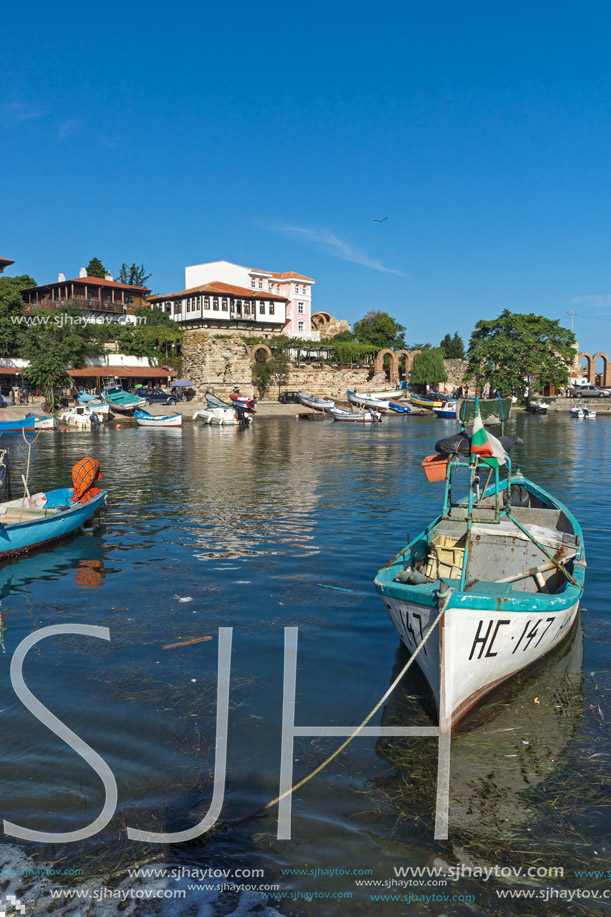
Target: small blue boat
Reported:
point(399, 408)
point(144, 419)
point(42, 519)
point(29, 422)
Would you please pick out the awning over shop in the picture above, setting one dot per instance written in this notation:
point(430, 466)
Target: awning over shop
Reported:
point(122, 372)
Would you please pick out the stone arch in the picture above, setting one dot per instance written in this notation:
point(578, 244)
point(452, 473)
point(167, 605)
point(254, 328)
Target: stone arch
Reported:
point(320, 320)
point(409, 360)
point(254, 351)
point(590, 368)
point(378, 364)
point(605, 375)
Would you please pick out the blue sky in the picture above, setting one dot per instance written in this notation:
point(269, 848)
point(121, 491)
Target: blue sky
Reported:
point(274, 134)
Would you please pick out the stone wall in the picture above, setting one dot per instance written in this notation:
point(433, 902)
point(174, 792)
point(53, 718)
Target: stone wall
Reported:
point(222, 364)
point(216, 364)
point(455, 370)
point(327, 380)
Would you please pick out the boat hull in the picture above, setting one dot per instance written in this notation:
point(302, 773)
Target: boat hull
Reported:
point(222, 417)
point(144, 419)
point(366, 401)
point(28, 423)
point(20, 537)
point(355, 417)
point(475, 649)
point(316, 404)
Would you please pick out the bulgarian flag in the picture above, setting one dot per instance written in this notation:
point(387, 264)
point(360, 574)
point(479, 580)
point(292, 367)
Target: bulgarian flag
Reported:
point(485, 445)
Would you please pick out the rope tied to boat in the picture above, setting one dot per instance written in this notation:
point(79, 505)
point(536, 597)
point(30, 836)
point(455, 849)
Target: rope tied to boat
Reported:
point(444, 598)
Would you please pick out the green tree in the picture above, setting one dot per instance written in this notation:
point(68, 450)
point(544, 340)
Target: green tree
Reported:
point(380, 329)
point(516, 352)
point(52, 346)
point(11, 309)
point(339, 338)
point(265, 369)
point(453, 347)
point(428, 368)
point(95, 268)
point(133, 275)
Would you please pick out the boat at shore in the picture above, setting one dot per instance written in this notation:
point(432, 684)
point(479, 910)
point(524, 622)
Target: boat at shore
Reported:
point(496, 578)
point(368, 401)
point(430, 403)
point(580, 410)
point(80, 416)
point(447, 409)
point(224, 416)
point(144, 419)
point(537, 407)
point(314, 402)
point(367, 416)
point(248, 404)
point(102, 408)
point(29, 422)
point(121, 401)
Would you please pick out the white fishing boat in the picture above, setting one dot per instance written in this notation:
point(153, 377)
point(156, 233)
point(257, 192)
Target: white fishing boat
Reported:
point(144, 419)
point(81, 416)
point(447, 409)
point(313, 401)
point(367, 416)
point(367, 401)
point(581, 410)
point(392, 395)
point(224, 417)
point(491, 585)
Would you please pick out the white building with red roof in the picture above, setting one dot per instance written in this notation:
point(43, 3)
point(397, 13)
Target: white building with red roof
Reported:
point(295, 289)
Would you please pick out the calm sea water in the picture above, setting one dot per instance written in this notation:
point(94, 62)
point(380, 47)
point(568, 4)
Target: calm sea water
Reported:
point(210, 528)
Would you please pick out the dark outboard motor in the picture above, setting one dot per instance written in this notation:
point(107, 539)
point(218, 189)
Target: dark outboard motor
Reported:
point(94, 420)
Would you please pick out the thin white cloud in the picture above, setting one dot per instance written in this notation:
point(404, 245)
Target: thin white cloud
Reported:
point(335, 246)
point(67, 127)
point(596, 300)
point(16, 111)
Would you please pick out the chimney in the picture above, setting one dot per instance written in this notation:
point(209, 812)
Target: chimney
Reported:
point(82, 272)
point(108, 277)
point(61, 278)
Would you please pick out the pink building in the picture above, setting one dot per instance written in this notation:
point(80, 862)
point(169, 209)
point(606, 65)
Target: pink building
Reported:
point(295, 288)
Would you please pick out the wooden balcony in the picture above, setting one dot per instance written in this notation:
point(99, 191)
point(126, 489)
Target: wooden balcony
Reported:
point(91, 305)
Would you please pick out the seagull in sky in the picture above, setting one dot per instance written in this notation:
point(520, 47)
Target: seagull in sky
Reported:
point(380, 221)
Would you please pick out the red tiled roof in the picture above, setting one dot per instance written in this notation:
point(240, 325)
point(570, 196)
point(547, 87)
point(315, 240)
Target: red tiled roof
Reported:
point(10, 371)
point(90, 282)
point(289, 274)
point(6, 261)
point(225, 289)
point(122, 372)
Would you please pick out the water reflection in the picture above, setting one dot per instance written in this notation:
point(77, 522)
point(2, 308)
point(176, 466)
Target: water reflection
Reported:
point(512, 742)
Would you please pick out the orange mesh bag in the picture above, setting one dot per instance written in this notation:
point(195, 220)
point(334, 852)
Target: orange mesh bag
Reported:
point(84, 475)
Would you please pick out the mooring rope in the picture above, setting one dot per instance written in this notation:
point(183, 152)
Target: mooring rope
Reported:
point(444, 598)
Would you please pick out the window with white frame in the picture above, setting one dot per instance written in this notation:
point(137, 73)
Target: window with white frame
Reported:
point(252, 283)
point(271, 308)
point(260, 283)
point(300, 308)
point(215, 303)
point(301, 326)
point(206, 302)
point(262, 308)
point(246, 308)
point(223, 305)
point(303, 289)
